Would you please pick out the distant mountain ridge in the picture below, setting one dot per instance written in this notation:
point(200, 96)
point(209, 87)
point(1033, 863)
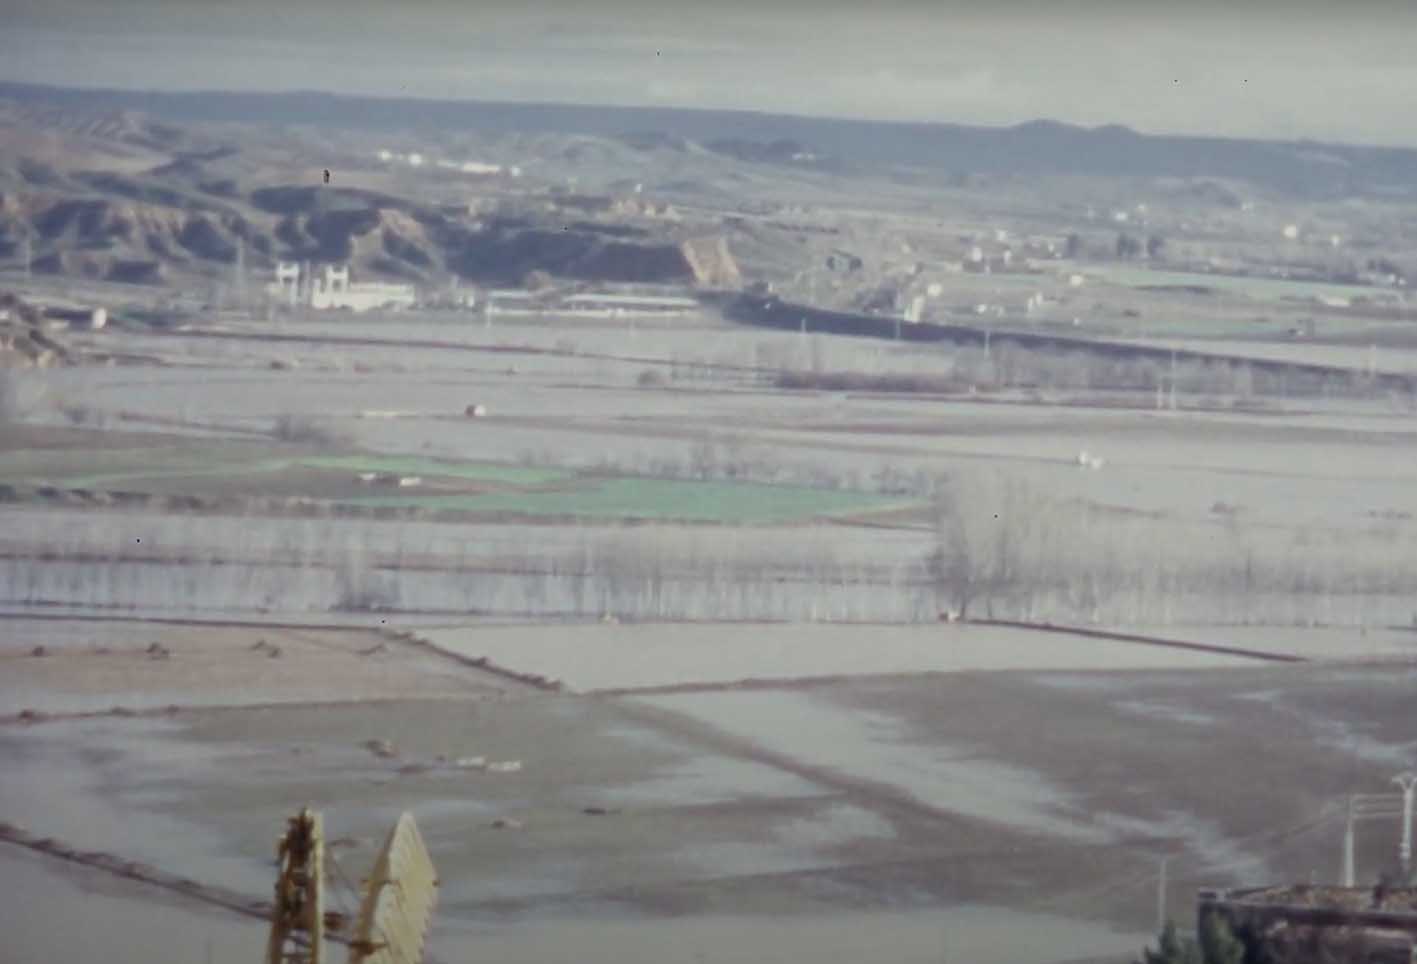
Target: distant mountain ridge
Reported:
point(1302, 168)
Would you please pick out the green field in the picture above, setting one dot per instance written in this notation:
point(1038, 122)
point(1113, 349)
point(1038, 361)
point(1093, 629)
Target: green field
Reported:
point(655, 499)
point(528, 491)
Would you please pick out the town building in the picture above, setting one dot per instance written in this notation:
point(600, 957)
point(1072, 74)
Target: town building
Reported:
point(331, 289)
point(1309, 924)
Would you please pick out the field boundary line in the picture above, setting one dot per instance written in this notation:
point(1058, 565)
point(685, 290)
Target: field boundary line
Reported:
point(1216, 648)
point(195, 620)
point(481, 663)
point(33, 717)
point(141, 872)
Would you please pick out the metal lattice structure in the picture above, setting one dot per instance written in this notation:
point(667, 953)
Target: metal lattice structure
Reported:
point(298, 920)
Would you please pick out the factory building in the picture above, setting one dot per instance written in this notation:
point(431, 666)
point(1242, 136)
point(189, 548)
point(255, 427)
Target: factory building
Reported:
point(331, 289)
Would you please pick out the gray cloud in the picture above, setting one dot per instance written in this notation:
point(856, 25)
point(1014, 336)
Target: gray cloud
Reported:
point(1268, 69)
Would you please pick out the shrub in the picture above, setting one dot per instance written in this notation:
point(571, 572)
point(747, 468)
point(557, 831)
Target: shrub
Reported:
point(81, 415)
point(1172, 948)
point(360, 589)
point(306, 430)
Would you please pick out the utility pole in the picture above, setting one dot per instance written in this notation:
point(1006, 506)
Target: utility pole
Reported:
point(1369, 806)
point(239, 274)
point(1161, 895)
point(1173, 379)
point(1347, 870)
point(1407, 780)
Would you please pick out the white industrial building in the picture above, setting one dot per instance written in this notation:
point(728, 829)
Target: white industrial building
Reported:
point(613, 304)
point(330, 289)
point(595, 304)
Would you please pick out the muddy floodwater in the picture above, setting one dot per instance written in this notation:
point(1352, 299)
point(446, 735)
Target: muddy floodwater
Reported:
point(982, 935)
point(666, 658)
point(56, 913)
point(61, 914)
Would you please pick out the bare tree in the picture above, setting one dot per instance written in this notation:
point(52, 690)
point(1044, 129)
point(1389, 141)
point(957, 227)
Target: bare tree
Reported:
point(957, 564)
point(992, 547)
point(9, 398)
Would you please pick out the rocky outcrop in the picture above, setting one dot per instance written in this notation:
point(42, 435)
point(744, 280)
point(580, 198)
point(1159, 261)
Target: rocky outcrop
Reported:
point(23, 341)
point(143, 243)
point(506, 251)
point(712, 264)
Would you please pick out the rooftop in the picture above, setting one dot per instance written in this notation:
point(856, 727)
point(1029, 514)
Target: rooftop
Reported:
point(1394, 900)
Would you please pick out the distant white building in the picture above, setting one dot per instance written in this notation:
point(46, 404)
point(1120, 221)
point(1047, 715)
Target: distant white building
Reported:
point(512, 301)
point(287, 282)
point(616, 304)
point(332, 289)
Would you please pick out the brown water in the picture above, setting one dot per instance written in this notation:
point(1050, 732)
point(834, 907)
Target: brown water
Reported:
point(53, 913)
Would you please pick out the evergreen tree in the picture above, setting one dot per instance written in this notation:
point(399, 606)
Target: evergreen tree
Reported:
point(1171, 948)
point(1218, 942)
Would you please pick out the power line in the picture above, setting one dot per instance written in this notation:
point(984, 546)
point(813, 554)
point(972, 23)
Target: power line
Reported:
point(1197, 862)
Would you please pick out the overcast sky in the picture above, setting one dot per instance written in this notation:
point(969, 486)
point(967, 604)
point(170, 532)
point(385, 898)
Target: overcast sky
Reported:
point(1296, 68)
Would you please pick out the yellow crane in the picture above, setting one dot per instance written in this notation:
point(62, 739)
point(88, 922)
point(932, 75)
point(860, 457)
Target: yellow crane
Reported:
point(395, 910)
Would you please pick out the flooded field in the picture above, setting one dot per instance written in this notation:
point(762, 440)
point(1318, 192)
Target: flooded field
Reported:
point(708, 819)
point(666, 655)
point(744, 506)
point(122, 926)
point(118, 922)
point(688, 677)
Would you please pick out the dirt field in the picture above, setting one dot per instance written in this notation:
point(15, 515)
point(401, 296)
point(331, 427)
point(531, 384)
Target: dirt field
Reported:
point(940, 805)
point(55, 667)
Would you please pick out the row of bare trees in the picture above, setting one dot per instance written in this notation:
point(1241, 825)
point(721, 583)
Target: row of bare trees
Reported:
point(1002, 550)
point(997, 548)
